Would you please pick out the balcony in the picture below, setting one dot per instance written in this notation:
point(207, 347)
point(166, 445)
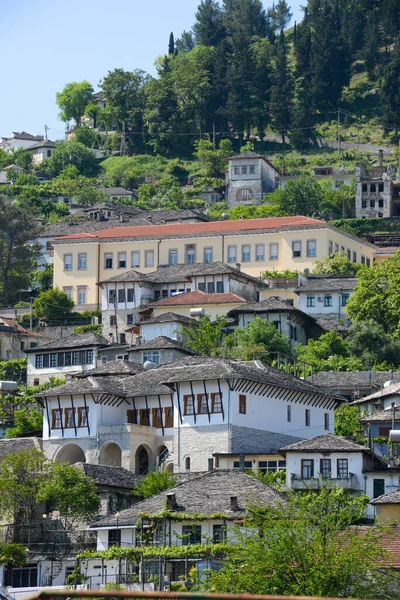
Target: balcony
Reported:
point(347, 483)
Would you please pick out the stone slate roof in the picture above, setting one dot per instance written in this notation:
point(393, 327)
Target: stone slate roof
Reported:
point(14, 445)
point(158, 216)
point(352, 379)
point(161, 343)
point(331, 324)
point(81, 340)
point(113, 368)
point(271, 444)
point(383, 416)
point(390, 498)
point(42, 144)
point(63, 228)
point(170, 317)
point(327, 284)
point(198, 297)
point(325, 443)
point(271, 304)
point(206, 494)
point(23, 135)
point(114, 386)
point(126, 277)
point(109, 476)
point(117, 191)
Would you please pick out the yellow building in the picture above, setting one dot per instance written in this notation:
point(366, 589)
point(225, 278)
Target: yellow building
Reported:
point(388, 507)
point(82, 260)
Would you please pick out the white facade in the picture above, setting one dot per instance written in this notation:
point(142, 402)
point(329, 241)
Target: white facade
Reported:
point(40, 369)
point(324, 302)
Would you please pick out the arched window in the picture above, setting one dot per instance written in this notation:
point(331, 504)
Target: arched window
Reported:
point(187, 463)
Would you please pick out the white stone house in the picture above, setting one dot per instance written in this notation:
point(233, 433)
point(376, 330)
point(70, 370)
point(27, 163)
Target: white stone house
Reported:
point(325, 297)
point(168, 324)
point(249, 176)
point(180, 413)
point(41, 151)
point(67, 356)
point(159, 350)
point(19, 140)
point(384, 399)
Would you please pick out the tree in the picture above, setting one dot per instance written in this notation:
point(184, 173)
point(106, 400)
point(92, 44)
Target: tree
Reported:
point(336, 264)
point(375, 296)
point(279, 15)
point(208, 29)
point(261, 332)
point(73, 494)
point(282, 90)
point(154, 483)
point(44, 278)
point(72, 153)
point(347, 420)
point(171, 44)
point(18, 249)
point(185, 43)
point(205, 336)
point(308, 546)
point(390, 90)
point(369, 342)
point(89, 195)
point(73, 99)
point(213, 161)
point(26, 420)
point(52, 304)
point(302, 196)
point(329, 353)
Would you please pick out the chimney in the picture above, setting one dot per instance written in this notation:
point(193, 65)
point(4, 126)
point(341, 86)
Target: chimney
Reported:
point(238, 266)
point(210, 464)
point(171, 501)
point(380, 158)
point(241, 462)
point(234, 503)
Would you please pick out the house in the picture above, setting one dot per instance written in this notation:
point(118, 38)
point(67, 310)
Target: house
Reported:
point(19, 140)
point(387, 507)
point(377, 427)
point(111, 368)
point(297, 326)
point(168, 324)
point(249, 176)
point(15, 339)
point(41, 151)
point(353, 385)
point(377, 191)
point(340, 461)
point(256, 244)
point(325, 297)
point(384, 399)
point(159, 350)
point(66, 356)
point(184, 411)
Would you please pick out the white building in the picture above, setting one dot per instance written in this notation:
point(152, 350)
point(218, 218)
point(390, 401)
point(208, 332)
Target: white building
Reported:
point(325, 297)
point(248, 178)
point(19, 140)
point(41, 151)
point(337, 176)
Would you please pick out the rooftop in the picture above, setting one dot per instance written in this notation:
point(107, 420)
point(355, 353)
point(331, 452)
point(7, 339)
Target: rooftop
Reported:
point(14, 445)
point(108, 476)
point(198, 297)
point(208, 493)
point(161, 343)
point(390, 390)
point(353, 379)
point(23, 135)
point(113, 368)
point(15, 325)
point(382, 416)
point(42, 144)
point(169, 317)
point(325, 443)
point(73, 341)
point(390, 498)
point(327, 284)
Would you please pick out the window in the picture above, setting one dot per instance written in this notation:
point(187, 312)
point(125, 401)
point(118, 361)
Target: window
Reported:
point(273, 251)
point(149, 258)
point(46, 360)
point(69, 418)
point(36, 382)
point(121, 260)
point(260, 252)
point(81, 262)
point(384, 432)
point(68, 291)
point(296, 249)
point(220, 287)
point(354, 256)
point(373, 187)
point(129, 319)
point(271, 466)
point(190, 250)
point(208, 255)
point(339, 183)
point(345, 299)
point(67, 262)
point(368, 261)
point(191, 534)
point(328, 300)
point(244, 170)
point(81, 295)
point(114, 537)
point(372, 203)
point(380, 203)
point(342, 468)
point(202, 404)
point(311, 248)
point(242, 404)
point(145, 417)
point(131, 296)
point(336, 247)
point(326, 421)
point(113, 321)
point(188, 405)
point(131, 417)
point(247, 464)
point(112, 296)
point(364, 187)
point(348, 253)
point(219, 531)
point(39, 361)
point(325, 468)
point(169, 417)
point(83, 416)
point(56, 418)
point(245, 253)
point(380, 187)
point(363, 204)
point(379, 487)
point(211, 287)
point(231, 254)
point(236, 170)
point(307, 468)
point(121, 296)
point(122, 339)
point(253, 169)
point(307, 417)
point(201, 287)
point(289, 413)
point(173, 257)
point(157, 420)
point(53, 360)
point(293, 332)
point(108, 261)
point(310, 300)
point(135, 259)
point(363, 260)
point(152, 356)
point(216, 403)
point(187, 463)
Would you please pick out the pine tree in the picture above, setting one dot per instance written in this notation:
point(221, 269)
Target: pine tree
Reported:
point(280, 15)
point(390, 91)
point(185, 43)
point(282, 90)
point(208, 29)
point(171, 45)
point(244, 18)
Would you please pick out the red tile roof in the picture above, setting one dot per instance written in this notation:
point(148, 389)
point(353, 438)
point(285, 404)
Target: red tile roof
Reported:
point(198, 228)
point(20, 329)
point(198, 297)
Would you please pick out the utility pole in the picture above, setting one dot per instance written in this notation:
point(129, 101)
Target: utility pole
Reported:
point(338, 129)
point(30, 313)
point(122, 149)
point(45, 131)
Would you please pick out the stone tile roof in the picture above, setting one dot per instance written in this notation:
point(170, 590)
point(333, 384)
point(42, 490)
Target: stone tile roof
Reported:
point(170, 317)
point(331, 324)
point(161, 343)
point(115, 191)
point(198, 297)
point(81, 340)
point(23, 135)
point(391, 390)
point(352, 379)
point(271, 444)
point(383, 416)
point(390, 498)
point(248, 154)
point(271, 304)
point(113, 368)
point(325, 443)
point(14, 445)
point(65, 228)
point(109, 476)
point(192, 229)
point(328, 284)
point(127, 276)
point(114, 386)
point(42, 144)
point(207, 493)
point(158, 216)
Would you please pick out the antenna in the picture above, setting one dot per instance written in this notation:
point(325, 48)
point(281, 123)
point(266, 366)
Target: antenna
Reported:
point(45, 131)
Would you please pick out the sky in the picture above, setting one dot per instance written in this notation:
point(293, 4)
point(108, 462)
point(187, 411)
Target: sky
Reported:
point(50, 43)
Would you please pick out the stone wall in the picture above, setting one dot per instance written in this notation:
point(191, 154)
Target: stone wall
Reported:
point(199, 444)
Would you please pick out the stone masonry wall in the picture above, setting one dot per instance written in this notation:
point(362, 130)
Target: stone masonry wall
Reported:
point(199, 443)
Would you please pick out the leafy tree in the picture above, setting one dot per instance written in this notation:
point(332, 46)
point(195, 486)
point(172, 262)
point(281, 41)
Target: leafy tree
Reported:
point(154, 483)
point(302, 196)
point(86, 135)
point(44, 279)
point(213, 161)
point(205, 336)
point(336, 264)
point(208, 29)
point(72, 492)
point(329, 353)
point(261, 332)
point(23, 159)
point(13, 370)
point(90, 195)
point(52, 304)
point(347, 420)
point(307, 546)
point(71, 153)
point(369, 342)
point(73, 100)
point(390, 94)
point(13, 554)
point(26, 420)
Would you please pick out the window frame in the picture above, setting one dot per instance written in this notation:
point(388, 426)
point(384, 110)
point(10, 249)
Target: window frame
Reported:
point(310, 301)
point(232, 259)
point(188, 403)
point(82, 255)
point(216, 399)
point(173, 252)
point(326, 473)
point(309, 468)
point(190, 251)
point(65, 264)
point(307, 417)
point(328, 300)
point(243, 253)
point(340, 466)
point(272, 256)
point(119, 265)
point(148, 253)
point(54, 413)
point(326, 421)
point(309, 250)
point(108, 261)
point(69, 418)
point(202, 404)
point(296, 253)
point(242, 404)
point(260, 257)
point(83, 416)
point(82, 289)
point(208, 250)
point(133, 264)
